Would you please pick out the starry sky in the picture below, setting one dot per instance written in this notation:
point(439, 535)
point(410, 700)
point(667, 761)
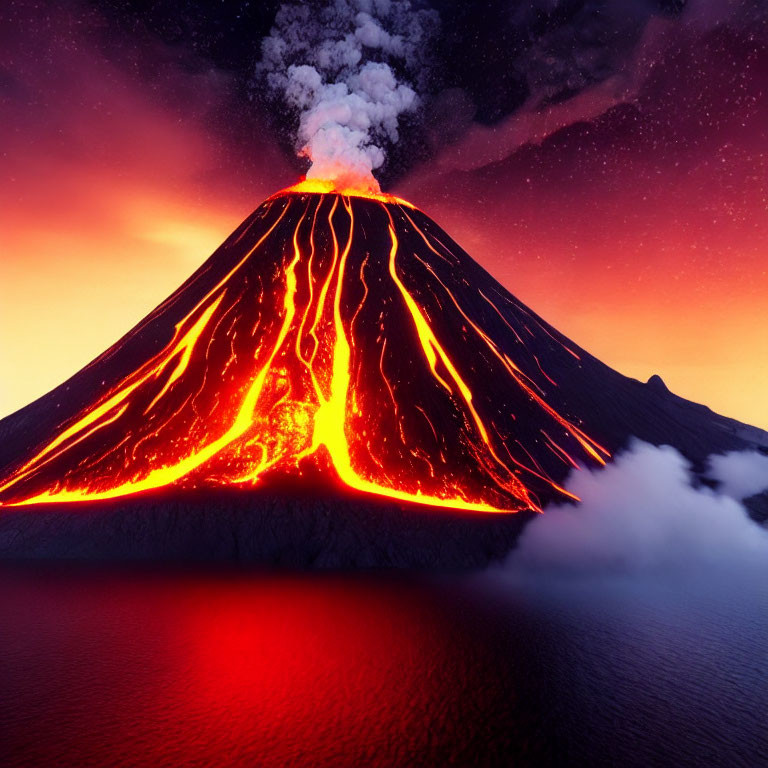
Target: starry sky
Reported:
point(607, 161)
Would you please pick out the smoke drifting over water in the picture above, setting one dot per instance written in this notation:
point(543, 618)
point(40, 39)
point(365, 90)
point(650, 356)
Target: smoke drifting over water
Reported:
point(642, 514)
point(349, 69)
point(741, 474)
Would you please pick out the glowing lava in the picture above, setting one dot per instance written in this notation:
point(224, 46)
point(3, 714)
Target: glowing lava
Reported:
point(336, 328)
point(321, 187)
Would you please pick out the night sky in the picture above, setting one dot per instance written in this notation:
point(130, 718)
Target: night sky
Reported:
point(606, 161)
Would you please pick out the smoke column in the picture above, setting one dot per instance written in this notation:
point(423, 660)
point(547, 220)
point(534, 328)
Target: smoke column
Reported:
point(349, 69)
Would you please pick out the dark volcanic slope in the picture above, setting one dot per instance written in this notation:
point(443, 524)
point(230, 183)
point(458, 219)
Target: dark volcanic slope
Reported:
point(350, 339)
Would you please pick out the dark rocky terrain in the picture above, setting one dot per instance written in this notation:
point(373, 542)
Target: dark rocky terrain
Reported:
point(555, 393)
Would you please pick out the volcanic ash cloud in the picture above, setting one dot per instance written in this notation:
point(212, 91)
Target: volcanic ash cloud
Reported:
point(348, 70)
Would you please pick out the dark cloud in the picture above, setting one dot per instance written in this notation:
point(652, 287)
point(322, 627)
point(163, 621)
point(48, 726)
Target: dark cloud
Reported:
point(498, 56)
point(492, 62)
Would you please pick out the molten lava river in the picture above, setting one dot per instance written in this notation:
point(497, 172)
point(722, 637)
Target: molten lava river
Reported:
point(345, 332)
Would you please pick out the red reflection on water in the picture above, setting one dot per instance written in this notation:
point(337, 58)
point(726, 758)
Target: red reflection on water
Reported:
point(240, 670)
point(294, 666)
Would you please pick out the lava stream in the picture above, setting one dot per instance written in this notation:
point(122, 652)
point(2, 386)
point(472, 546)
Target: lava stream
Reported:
point(334, 330)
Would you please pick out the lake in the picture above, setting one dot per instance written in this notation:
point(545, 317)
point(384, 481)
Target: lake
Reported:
point(105, 667)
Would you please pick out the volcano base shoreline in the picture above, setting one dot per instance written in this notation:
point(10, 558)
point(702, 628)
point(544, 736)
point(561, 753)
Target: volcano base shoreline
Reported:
point(272, 529)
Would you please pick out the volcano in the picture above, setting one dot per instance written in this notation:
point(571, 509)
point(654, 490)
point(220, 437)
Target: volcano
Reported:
point(343, 340)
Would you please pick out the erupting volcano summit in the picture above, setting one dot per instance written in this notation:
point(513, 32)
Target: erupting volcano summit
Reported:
point(344, 331)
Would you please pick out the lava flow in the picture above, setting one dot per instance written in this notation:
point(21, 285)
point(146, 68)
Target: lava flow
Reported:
point(344, 331)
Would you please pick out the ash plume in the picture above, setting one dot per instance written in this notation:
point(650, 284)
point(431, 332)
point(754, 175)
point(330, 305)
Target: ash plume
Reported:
point(347, 70)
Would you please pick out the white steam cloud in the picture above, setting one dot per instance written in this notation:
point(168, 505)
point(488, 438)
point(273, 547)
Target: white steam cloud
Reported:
point(644, 513)
point(741, 474)
point(349, 69)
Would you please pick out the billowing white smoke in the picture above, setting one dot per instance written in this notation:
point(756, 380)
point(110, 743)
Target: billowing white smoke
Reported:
point(644, 514)
point(741, 474)
point(336, 66)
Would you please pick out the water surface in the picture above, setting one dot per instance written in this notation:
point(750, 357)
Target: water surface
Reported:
point(167, 669)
